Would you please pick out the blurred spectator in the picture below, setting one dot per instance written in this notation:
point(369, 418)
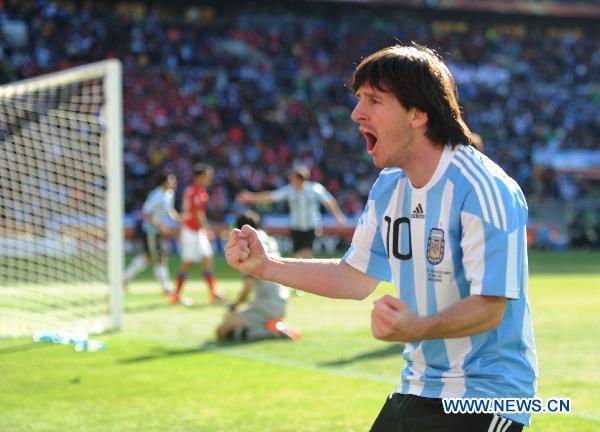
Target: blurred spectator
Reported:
point(255, 88)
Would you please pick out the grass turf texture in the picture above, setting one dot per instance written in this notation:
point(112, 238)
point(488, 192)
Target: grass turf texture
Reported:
point(163, 373)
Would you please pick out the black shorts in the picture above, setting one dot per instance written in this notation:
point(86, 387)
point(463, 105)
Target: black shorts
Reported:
point(153, 246)
point(409, 413)
point(303, 239)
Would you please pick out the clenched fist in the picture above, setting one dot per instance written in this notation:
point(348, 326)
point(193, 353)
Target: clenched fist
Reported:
point(393, 321)
point(245, 252)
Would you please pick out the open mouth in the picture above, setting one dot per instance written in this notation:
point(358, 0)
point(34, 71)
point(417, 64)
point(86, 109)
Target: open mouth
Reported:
point(371, 140)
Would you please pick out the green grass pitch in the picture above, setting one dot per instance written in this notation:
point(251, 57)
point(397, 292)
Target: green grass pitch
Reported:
point(163, 373)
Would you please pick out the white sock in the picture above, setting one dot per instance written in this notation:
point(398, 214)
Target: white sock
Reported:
point(161, 272)
point(136, 265)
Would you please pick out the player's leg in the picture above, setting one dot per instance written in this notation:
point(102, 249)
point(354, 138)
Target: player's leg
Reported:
point(279, 327)
point(207, 264)
point(274, 319)
point(265, 320)
point(302, 242)
point(207, 271)
point(190, 253)
point(182, 276)
point(255, 320)
point(140, 261)
point(135, 267)
point(296, 241)
point(161, 272)
point(159, 260)
point(232, 324)
point(304, 253)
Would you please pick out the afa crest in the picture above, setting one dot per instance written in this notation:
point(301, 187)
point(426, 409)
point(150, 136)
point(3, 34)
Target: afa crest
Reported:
point(435, 246)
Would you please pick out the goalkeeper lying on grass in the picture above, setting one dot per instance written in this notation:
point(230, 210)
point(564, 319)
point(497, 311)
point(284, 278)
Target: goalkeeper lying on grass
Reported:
point(263, 319)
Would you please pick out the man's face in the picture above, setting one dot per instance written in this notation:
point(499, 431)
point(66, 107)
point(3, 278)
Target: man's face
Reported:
point(385, 124)
point(204, 179)
point(295, 181)
point(171, 182)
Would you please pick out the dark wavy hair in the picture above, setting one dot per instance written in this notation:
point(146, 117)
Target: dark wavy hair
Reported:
point(162, 178)
point(249, 217)
point(202, 168)
point(418, 77)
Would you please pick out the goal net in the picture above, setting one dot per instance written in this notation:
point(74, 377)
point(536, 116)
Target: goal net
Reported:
point(61, 202)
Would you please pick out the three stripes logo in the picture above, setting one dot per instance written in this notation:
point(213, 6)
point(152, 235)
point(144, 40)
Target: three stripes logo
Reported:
point(418, 213)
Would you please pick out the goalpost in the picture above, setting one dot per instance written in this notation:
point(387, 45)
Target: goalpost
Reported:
point(61, 202)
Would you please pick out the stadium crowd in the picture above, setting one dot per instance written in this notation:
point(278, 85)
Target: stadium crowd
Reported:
point(255, 88)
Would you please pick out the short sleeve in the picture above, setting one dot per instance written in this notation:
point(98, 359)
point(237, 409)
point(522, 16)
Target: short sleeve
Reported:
point(282, 193)
point(322, 193)
point(493, 257)
point(367, 252)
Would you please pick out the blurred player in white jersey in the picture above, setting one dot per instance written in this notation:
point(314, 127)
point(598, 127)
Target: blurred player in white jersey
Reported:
point(447, 226)
point(194, 236)
point(304, 199)
point(264, 318)
point(158, 208)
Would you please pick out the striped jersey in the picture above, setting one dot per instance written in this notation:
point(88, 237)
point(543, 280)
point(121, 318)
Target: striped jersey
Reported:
point(158, 204)
point(304, 204)
point(463, 233)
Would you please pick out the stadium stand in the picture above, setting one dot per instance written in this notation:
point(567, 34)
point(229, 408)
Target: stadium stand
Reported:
point(256, 86)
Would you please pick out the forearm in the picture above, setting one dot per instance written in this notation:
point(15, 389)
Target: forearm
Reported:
point(244, 292)
point(325, 277)
point(259, 197)
point(472, 315)
point(335, 210)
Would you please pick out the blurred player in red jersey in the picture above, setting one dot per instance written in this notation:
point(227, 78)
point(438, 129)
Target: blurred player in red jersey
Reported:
point(194, 241)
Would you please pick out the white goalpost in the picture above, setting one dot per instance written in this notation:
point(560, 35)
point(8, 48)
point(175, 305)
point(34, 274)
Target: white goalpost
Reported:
point(61, 202)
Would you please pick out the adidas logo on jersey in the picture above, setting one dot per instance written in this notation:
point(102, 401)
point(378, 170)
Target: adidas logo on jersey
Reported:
point(418, 212)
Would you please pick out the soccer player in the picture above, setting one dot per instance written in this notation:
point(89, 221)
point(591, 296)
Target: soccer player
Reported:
point(304, 199)
point(157, 210)
point(264, 318)
point(194, 241)
point(447, 226)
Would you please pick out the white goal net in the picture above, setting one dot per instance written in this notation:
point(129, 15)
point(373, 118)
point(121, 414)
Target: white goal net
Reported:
point(61, 202)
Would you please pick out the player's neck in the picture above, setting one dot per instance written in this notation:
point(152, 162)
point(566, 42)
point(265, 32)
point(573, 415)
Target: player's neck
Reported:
point(423, 163)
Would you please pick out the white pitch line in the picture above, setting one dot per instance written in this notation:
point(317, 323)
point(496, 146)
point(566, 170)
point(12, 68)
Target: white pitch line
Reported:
point(587, 416)
point(237, 352)
point(305, 366)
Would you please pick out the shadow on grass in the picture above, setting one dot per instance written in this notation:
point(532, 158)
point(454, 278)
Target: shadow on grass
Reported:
point(206, 347)
point(163, 304)
point(159, 354)
point(24, 347)
point(132, 308)
point(395, 349)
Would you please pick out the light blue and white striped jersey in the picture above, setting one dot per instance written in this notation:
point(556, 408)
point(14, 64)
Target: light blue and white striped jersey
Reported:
point(304, 204)
point(158, 204)
point(463, 233)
